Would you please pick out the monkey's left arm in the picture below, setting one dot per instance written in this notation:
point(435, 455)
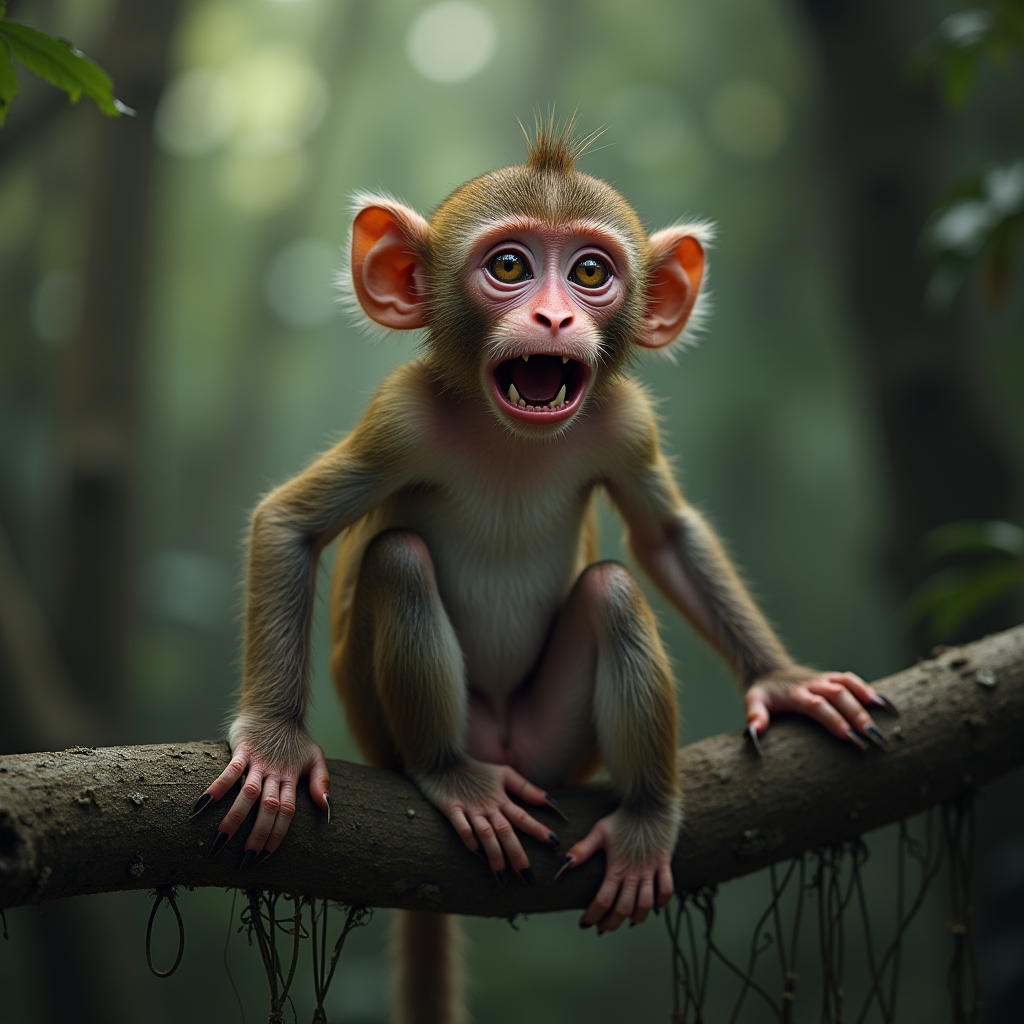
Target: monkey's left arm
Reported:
point(682, 555)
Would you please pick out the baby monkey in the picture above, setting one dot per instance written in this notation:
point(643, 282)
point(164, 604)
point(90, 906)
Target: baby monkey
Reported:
point(478, 643)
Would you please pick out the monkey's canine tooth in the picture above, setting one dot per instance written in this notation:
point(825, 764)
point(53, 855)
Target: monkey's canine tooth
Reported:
point(513, 395)
point(526, 359)
point(565, 359)
point(560, 397)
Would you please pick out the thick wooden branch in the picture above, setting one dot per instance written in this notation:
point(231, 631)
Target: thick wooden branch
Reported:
point(88, 821)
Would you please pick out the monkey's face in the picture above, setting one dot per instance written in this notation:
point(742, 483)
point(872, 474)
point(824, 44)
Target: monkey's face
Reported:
point(547, 292)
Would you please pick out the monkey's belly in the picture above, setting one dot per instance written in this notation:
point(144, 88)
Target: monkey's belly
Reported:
point(502, 620)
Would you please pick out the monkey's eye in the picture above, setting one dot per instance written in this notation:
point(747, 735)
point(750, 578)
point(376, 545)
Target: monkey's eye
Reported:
point(509, 267)
point(589, 272)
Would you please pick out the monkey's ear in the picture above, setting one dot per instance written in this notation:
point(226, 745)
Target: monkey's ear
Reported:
point(675, 283)
point(388, 276)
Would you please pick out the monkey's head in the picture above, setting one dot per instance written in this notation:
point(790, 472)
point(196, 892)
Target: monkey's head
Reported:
point(535, 283)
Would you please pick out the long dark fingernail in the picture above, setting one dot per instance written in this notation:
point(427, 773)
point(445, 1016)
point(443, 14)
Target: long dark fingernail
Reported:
point(555, 806)
point(565, 865)
point(585, 924)
point(553, 839)
point(884, 702)
point(219, 843)
point(327, 800)
point(855, 737)
point(264, 854)
point(247, 858)
point(876, 737)
point(752, 736)
point(200, 804)
point(501, 877)
point(527, 875)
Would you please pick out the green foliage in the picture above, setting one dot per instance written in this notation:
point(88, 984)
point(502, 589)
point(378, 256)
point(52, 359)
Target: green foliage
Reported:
point(980, 222)
point(963, 39)
point(977, 226)
point(58, 62)
point(952, 598)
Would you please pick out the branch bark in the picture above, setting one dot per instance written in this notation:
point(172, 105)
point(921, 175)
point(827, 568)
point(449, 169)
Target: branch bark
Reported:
point(100, 820)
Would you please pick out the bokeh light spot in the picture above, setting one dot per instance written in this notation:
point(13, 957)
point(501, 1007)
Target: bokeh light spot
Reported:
point(452, 41)
point(749, 120)
point(262, 175)
point(197, 113)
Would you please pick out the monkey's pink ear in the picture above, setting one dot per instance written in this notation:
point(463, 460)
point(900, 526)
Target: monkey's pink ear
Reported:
point(387, 275)
point(675, 285)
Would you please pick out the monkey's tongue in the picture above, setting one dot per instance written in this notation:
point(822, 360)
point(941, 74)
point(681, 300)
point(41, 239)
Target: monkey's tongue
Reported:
point(538, 380)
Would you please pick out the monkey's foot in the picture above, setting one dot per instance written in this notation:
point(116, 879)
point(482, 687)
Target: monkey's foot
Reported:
point(633, 885)
point(836, 700)
point(477, 799)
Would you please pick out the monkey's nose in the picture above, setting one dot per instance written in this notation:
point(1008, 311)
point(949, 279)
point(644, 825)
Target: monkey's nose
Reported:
point(554, 322)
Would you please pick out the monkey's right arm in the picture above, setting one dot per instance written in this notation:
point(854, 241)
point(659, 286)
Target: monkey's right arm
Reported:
point(290, 528)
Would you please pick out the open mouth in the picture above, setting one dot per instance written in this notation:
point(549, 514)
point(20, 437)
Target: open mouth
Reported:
point(540, 388)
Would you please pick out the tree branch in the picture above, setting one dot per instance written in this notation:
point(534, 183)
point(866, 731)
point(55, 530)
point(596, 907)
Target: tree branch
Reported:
point(88, 821)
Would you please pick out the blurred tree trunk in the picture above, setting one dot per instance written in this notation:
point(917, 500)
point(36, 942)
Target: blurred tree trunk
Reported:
point(942, 453)
point(101, 417)
point(890, 138)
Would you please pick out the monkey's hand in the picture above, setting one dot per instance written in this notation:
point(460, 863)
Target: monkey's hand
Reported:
point(638, 845)
point(835, 699)
point(272, 761)
point(476, 798)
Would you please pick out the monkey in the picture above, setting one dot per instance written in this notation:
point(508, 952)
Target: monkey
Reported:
point(478, 642)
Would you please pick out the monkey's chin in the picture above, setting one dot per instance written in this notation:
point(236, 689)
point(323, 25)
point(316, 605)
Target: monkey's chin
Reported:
point(553, 388)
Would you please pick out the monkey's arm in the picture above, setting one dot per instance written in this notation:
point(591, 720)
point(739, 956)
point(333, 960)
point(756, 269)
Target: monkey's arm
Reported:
point(290, 528)
point(682, 555)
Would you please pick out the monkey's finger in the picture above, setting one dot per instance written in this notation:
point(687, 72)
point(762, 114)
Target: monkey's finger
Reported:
point(758, 715)
point(284, 815)
point(845, 703)
point(644, 899)
point(270, 804)
point(506, 834)
point(320, 782)
point(525, 823)
point(666, 884)
point(801, 700)
point(492, 847)
point(521, 787)
point(625, 905)
point(227, 778)
point(853, 682)
point(240, 808)
point(594, 840)
point(603, 901)
point(465, 830)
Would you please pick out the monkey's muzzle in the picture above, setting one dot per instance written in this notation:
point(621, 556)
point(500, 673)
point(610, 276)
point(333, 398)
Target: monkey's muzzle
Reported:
point(540, 388)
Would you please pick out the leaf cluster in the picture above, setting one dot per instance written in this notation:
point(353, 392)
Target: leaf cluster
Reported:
point(58, 62)
point(962, 40)
point(991, 570)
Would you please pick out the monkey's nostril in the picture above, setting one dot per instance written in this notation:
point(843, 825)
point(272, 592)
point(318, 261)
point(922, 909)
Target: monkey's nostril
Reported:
point(542, 318)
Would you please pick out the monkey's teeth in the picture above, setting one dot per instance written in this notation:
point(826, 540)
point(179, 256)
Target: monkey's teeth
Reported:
point(565, 359)
point(526, 359)
point(522, 403)
point(513, 395)
point(559, 398)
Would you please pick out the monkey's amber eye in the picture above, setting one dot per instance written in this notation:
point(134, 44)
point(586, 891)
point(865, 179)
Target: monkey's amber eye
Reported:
point(589, 272)
point(509, 267)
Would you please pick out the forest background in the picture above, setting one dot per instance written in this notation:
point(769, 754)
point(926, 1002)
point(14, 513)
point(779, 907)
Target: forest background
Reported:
point(171, 347)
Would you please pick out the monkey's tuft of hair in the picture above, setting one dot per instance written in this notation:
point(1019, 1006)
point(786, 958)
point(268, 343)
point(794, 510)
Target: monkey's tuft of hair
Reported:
point(555, 147)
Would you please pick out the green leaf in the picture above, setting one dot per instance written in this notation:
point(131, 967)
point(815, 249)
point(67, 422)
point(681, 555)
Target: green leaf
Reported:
point(62, 65)
point(8, 80)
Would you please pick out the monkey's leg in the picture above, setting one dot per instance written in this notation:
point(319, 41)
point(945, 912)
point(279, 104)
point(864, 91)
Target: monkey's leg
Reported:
point(407, 656)
point(605, 664)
